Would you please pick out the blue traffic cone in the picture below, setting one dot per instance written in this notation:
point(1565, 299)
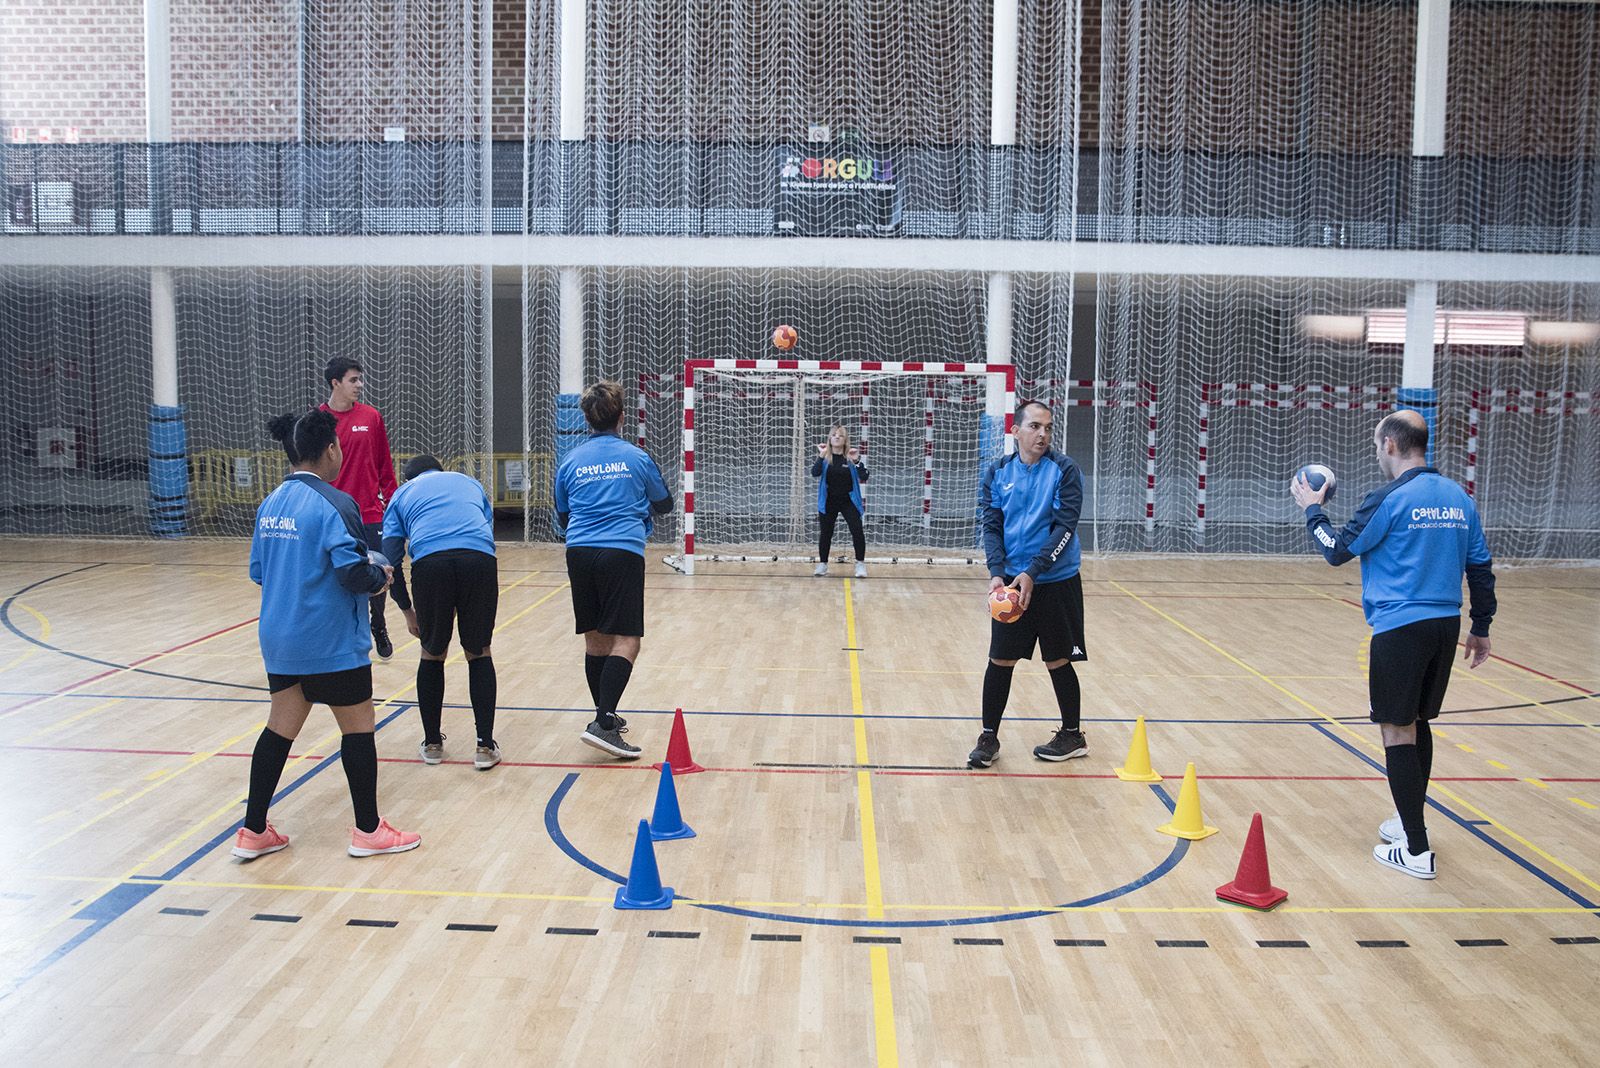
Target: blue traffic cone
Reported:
point(667, 823)
point(643, 890)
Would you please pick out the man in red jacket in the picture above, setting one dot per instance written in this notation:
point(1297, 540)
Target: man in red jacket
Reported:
point(368, 470)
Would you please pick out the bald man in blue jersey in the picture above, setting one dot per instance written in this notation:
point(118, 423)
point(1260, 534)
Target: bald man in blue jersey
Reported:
point(1416, 537)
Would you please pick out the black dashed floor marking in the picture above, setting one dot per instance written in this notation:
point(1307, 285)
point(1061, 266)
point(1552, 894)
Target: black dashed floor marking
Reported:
point(470, 926)
point(1382, 943)
point(271, 918)
point(372, 923)
point(183, 912)
point(1577, 940)
point(673, 934)
point(1472, 943)
point(876, 940)
point(572, 930)
point(1080, 942)
point(1282, 943)
point(1181, 943)
point(774, 938)
point(979, 941)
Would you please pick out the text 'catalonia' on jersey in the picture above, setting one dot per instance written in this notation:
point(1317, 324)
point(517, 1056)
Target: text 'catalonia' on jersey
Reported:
point(605, 493)
point(309, 557)
point(1416, 537)
point(1030, 516)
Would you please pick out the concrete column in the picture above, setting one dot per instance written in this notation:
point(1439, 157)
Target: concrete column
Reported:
point(570, 424)
point(168, 440)
point(1416, 372)
point(1433, 69)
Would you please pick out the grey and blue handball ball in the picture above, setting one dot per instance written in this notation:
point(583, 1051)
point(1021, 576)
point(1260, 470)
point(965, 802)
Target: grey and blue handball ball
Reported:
point(1317, 476)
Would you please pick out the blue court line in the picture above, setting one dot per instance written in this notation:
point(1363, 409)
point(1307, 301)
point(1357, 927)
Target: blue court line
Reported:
point(1297, 721)
point(1472, 826)
point(552, 824)
point(120, 899)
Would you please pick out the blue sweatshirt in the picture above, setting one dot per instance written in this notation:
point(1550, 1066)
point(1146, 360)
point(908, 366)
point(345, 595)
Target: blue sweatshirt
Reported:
point(822, 469)
point(435, 511)
point(309, 556)
point(1416, 537)
point(606, 491)
point(1030, 515)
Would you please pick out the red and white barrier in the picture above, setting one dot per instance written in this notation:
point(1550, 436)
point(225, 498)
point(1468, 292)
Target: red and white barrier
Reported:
point(1481, 402)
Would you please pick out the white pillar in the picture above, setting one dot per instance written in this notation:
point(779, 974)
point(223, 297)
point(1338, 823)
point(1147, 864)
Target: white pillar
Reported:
point(997, 341)
point(158, 71)
point(571, 373)
point(1003, 81)
point(574, 64)
point(1433, 67)
point(163, 339)
point(1422, 307)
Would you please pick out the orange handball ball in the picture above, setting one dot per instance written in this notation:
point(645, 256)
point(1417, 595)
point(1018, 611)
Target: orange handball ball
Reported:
point(784, 337)
point(1005, 605)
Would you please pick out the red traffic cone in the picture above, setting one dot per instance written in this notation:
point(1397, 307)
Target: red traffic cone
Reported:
point(1252, 884)
point(678, 754)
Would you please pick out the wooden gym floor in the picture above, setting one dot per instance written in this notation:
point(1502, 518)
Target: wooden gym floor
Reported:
point(852, 894)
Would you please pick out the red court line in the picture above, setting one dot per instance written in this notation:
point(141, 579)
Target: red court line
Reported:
point(112, 671)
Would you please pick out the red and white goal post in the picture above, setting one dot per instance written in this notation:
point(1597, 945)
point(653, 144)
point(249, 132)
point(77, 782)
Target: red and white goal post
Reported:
point(750, 429)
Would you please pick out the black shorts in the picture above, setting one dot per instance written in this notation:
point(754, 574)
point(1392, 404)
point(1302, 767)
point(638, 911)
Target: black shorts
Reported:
point(455, 588)
point(1053, 621)
point(607, 590)
point(336, 689)
point(1409, 668)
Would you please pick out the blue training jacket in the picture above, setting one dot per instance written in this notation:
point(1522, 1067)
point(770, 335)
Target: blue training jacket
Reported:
point(858, 475)
point(606, 492)
point(435, 511)
point(1030, 515)
point(309, 556)
point(1416, 537)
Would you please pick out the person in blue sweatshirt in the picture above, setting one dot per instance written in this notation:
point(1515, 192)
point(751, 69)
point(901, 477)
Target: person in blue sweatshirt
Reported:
point(607, 492)
point(309, 556)
point(839, 473)
point(1028, 504)
point(1416, 537)
point(447, 519)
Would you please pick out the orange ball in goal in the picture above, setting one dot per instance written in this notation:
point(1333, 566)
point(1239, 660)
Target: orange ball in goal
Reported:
point(784, 337)
point(1005, 605)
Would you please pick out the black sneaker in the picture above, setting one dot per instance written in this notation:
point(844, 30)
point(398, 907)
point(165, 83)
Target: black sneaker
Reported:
point(1065, 745)
point(610, 741)
point(986, 753)
point(381, 645)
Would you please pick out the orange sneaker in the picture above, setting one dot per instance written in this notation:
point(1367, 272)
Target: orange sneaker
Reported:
point(250, 845)
point(383, 840)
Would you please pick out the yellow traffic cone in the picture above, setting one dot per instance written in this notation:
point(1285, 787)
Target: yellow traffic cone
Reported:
point(1137, 767)
point(1186, 820)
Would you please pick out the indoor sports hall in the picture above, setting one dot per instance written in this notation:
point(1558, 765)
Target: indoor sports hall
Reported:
point(1214, 241)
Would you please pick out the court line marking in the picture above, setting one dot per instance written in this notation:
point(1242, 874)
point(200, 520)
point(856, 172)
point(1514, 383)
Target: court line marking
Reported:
point(44, 634)
point(885, 1042)
point(1347, 730)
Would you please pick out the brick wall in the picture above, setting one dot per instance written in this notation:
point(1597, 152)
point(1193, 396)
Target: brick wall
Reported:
point(73, 65)
point(234, 70)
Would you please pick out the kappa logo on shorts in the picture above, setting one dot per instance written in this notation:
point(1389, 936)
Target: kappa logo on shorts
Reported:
point(1077, 650)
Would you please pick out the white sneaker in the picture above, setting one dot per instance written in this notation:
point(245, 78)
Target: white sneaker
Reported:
point(1418, 866)
point(822, 570)
point(861, 569)
point(1392, 830)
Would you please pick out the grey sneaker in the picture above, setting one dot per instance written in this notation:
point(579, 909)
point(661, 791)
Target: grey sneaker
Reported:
point(861, 569)
point(486, 756)
point(432, 752)
point(987, 751)
point(610, 741)
point(1064, 745)
point(821, 571)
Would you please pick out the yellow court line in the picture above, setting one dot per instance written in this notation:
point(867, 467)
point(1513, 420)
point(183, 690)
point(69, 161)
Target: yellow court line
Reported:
point(1451, 794)
point(885, 1042)
point(1484, 680)
point(44, 635)
point(60, 723)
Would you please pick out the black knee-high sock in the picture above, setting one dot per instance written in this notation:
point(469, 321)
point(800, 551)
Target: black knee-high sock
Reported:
point(1425, 750)
point(266, 768)
point(996, 691)
point(592, 667)
point(613, 680)
point(1409, 789)
point(1069, 696)
point(430, 698)
point(482, 686)
point(359, 753)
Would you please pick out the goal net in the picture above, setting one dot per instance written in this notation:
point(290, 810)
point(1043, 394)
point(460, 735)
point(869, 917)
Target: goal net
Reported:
point(751, 430)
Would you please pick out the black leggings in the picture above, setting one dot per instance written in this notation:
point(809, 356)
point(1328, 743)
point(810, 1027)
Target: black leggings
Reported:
point(830, 519)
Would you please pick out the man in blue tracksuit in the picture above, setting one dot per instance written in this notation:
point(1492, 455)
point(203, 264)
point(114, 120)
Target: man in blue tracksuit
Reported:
point(606, 492)
point(1416, 537)
point(1029, 504)
point(309, 556)
point(448, 521)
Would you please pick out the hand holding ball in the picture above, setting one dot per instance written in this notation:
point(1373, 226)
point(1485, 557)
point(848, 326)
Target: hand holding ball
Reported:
point(1316, 476)
point(1005, 605)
